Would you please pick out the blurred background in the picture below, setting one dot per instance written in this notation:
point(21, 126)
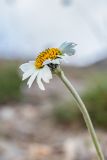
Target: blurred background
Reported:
point(38, 125)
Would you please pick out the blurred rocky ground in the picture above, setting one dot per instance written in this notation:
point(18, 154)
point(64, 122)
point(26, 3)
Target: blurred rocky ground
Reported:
point(30, 128)
point(28, 133)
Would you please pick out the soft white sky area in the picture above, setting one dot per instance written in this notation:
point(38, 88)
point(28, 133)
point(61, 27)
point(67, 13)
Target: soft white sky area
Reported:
point(29, 26)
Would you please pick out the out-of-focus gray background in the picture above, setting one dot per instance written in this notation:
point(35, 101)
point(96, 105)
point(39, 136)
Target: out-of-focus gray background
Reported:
point(37, 125)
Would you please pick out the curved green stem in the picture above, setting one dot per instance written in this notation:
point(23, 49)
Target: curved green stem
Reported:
point(83, 109)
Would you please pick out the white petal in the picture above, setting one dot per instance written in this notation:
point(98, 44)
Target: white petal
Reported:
point(63, 45)
point(68, 48)
point(64, 58)
point(60, 56)
point(46, 74)
point(26, 66)
point(39, 82)
point(28, 73)
point(47, 62)
point(32, 78)
point(54, 61)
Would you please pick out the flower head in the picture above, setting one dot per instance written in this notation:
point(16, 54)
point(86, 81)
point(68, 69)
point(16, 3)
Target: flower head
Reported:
point(41, 69)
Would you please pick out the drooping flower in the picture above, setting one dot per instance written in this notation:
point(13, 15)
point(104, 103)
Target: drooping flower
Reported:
point(41, 69)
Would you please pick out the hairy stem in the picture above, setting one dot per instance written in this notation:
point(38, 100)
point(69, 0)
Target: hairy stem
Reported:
point(83, 109)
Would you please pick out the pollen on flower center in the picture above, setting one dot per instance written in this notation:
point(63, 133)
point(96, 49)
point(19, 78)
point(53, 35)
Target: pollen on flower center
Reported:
point(50, 53)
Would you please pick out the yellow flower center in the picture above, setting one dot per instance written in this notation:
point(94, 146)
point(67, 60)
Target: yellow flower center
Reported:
point(50, 53)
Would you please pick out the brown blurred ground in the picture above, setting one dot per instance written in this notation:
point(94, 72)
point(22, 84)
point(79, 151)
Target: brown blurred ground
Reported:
point(28, 130)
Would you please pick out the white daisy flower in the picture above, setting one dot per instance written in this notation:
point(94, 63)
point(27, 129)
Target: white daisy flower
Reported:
point(41, 69)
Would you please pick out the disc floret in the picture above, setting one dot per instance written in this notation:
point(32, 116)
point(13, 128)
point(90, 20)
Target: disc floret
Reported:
point(50, 53)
